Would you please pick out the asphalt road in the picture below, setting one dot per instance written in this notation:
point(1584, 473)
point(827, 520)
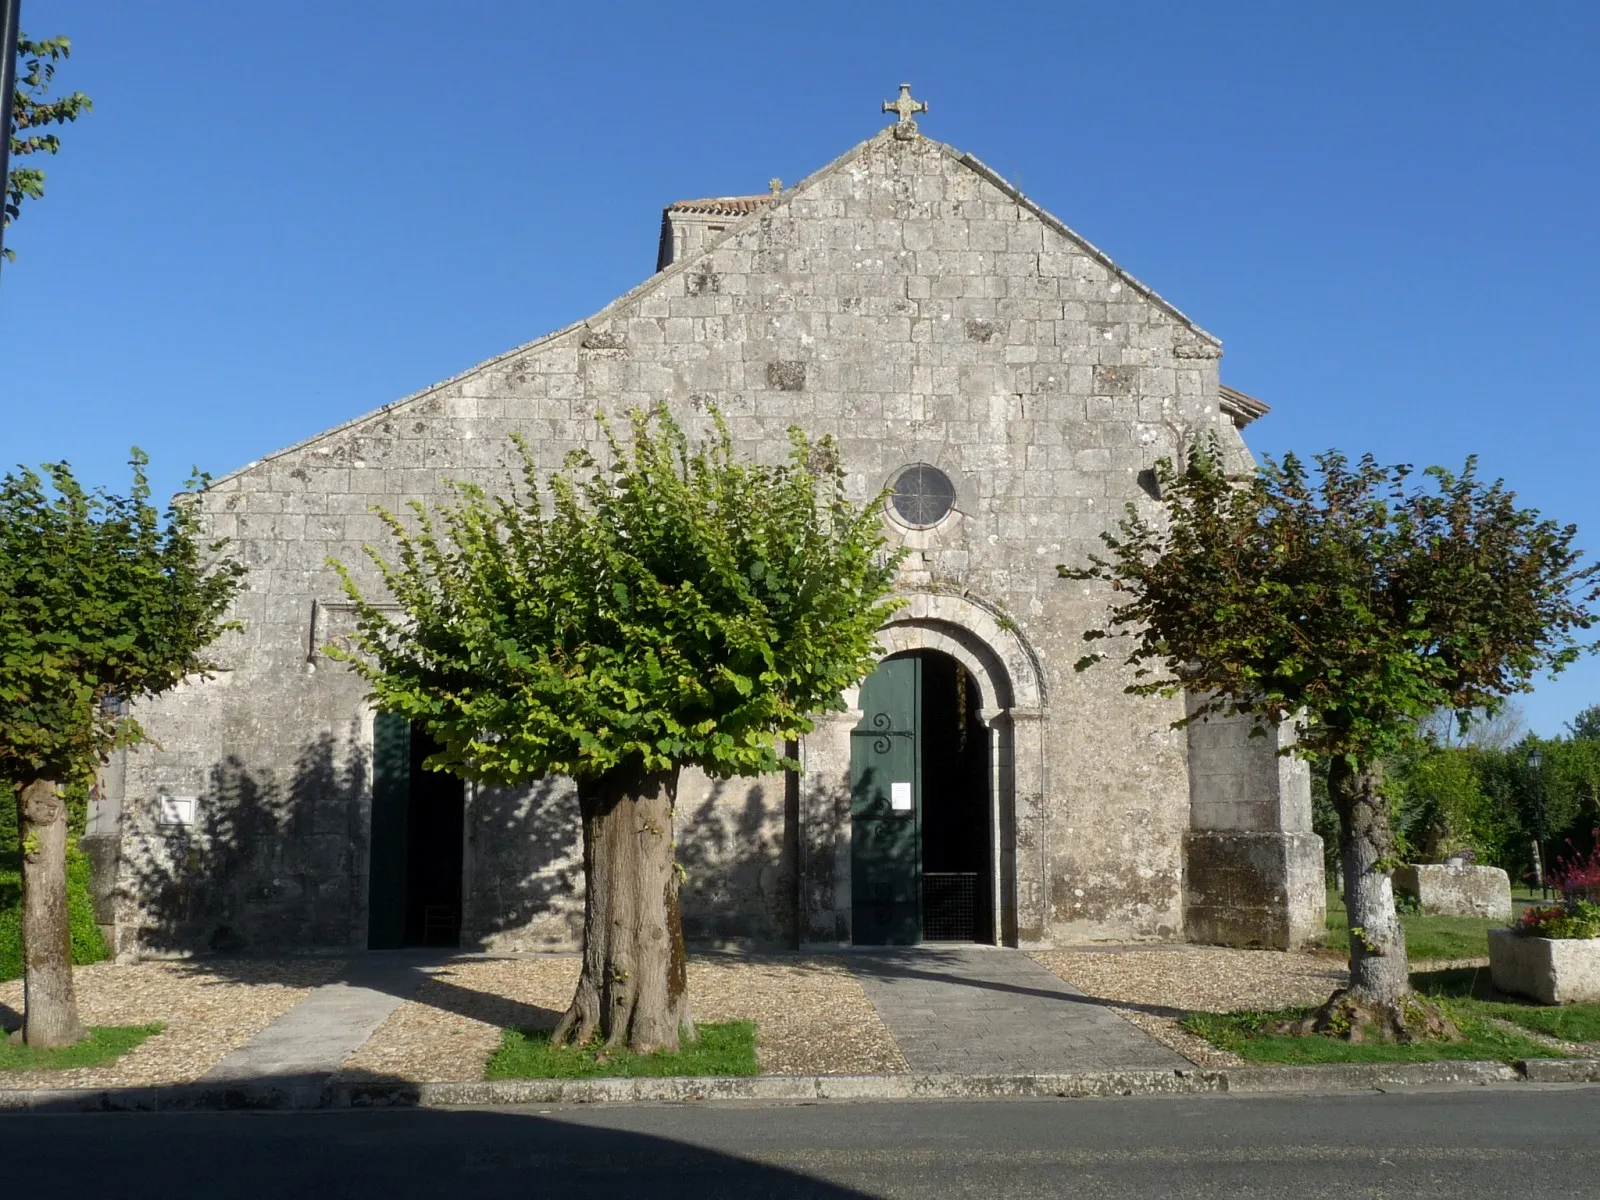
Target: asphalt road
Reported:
point(1520, 1141)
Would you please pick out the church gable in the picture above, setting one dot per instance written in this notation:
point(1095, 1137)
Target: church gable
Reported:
point(904, 298)
point(896, 241)
point(908, 301)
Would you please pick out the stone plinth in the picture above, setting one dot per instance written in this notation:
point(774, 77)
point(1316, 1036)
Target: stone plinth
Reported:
point(1457, 889)
point(1254, 889)
point(1252, 867)
point(1549, 970)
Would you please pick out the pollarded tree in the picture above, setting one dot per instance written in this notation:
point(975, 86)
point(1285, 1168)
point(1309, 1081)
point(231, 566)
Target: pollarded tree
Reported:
point(102, 600)
point(1354, 602)
point(672, 607)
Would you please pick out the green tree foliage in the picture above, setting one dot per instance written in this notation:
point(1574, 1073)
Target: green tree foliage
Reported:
point(1439, 805)
point(33, 112)
point(671, 607)
point(1359, 602)
point(103, 600)
point(1482, 794)
point(1355, 602)
point(674, 608)
point(1586, 725)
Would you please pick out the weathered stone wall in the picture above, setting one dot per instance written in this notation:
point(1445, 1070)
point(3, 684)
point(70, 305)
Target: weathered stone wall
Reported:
point(905, 300)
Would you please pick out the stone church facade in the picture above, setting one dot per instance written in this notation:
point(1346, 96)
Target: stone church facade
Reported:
point(1008, 382)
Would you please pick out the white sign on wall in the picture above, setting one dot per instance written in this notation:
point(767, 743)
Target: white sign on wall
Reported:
point(175, 812)
point(900, 795)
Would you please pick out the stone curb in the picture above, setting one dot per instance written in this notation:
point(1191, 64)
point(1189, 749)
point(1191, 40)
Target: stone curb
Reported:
point(1370, 1076)
point(1561, 1070)
point(797, 1088)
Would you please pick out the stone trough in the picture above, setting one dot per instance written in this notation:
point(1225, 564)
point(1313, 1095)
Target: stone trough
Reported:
point(1549, 970)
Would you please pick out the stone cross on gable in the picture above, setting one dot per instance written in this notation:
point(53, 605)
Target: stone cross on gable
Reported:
point(907, 108)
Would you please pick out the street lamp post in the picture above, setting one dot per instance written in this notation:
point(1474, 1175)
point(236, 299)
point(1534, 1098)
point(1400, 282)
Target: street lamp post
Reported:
point(10, 16)
point(1536, 761)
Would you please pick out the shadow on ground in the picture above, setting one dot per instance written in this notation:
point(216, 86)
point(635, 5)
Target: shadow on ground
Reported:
point(922, 963)
point(485, 1155)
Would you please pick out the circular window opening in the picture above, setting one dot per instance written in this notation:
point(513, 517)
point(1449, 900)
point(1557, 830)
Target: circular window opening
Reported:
point(922, 495)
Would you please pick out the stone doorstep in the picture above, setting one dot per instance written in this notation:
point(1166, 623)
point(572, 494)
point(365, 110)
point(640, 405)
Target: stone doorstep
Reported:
point(804, 1088)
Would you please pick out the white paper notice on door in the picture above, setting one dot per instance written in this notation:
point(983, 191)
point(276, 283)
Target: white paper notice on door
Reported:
point(900, 796)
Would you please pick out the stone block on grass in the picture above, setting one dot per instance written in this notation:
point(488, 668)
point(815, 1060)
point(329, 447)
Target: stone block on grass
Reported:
point(1457, 889)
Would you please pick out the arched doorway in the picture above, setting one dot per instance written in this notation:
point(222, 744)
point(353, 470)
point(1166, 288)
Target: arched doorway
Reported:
point(922, 805)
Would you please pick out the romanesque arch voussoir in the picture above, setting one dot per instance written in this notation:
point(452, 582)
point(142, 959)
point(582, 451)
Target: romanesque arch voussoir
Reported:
point(986, 643)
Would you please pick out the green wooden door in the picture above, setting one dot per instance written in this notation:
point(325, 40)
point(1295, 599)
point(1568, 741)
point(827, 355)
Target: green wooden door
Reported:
point(391, 805)
point(885, 808)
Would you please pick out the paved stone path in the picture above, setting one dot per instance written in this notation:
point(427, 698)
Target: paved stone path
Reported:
point(973, 1011)
point(310, 1042)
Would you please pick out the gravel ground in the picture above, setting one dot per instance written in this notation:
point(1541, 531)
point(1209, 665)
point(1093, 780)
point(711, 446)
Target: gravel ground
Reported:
point(1154, 988)
point(210, 1008)
point(812, 1016)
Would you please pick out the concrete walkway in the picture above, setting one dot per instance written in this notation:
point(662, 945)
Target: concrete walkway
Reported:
point(973, 1011)
point(310, 1042)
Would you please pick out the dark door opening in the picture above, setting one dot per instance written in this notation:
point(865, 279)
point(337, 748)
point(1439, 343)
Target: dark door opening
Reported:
point(418, 818)
point(920, 806)
point(955, 805)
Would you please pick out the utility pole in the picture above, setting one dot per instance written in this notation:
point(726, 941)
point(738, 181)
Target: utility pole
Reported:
point(10, 18)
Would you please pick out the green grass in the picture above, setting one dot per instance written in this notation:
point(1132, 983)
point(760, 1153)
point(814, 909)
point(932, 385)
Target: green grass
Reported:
point(1246, 1035)
point(723, 1049)
point(1426, 937)
point(1465, 993)
point(1471, 986)
point(104, 1044)
point(87, 944)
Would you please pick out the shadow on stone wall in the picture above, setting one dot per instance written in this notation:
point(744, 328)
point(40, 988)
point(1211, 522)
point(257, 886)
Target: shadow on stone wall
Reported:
point(526, 889)
point(276, 863)
point(269, 865)
point(740, 861)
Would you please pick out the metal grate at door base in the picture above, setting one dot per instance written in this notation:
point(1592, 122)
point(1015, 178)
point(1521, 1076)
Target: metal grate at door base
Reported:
point(950, 906)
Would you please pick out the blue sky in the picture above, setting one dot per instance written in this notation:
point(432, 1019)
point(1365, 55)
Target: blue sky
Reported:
point(281, 216)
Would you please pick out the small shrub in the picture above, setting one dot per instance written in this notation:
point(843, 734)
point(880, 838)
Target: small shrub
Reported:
point(87, 944)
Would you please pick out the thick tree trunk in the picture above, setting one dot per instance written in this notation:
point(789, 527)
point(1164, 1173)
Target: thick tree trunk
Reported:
point(1379, 1001)
point(1378, 971)
point(633, 989)
point(50, 1006)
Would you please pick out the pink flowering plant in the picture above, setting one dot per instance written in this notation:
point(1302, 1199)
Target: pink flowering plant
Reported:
point(1573, 919)
point(1578, 916)
point(1577, 876)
